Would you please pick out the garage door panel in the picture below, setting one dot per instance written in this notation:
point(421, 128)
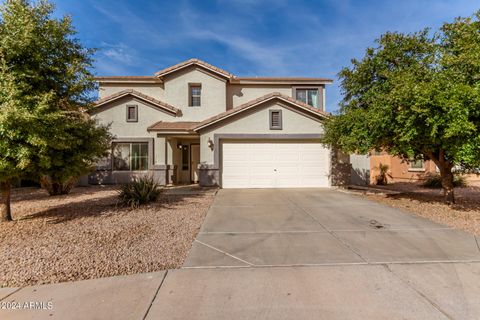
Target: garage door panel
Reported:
point(274, 165)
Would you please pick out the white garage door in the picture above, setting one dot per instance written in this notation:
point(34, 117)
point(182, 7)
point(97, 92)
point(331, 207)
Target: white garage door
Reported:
point(275, 165)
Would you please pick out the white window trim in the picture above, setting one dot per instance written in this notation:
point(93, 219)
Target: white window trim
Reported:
point(191, 96)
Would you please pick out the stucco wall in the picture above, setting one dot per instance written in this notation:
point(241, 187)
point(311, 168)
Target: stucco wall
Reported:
point(115, 115)
point(213, 97)
point(154, 90)
point(238, 94)
point(257, 121)
point(360, 174)
point(400, 171)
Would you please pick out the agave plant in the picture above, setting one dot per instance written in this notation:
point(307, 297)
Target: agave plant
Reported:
point(139, 191)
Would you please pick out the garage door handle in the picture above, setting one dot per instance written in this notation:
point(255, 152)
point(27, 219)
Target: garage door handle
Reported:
point(275, 170)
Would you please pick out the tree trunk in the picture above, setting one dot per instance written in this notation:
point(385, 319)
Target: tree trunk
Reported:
point(446, 174)
point(56, 188)
point(447, 184)
point(5, 210)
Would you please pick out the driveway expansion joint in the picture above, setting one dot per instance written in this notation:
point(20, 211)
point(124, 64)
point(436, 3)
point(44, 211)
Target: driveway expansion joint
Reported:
point(476, 240)
point(155, 295)
point(223, 252)
point(328, 230)
point(420, 293)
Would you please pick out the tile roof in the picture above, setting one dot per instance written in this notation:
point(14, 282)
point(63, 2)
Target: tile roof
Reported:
point(127, 78)
point(173, 126)
point(140, 96)
point(262, 99)
point(190, 62)
point(279, 79)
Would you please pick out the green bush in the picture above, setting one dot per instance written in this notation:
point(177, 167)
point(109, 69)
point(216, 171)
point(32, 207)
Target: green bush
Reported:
point(435, 181)
point(139, 191)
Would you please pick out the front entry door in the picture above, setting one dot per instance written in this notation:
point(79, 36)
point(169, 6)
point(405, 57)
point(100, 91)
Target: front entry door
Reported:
point(194, 162)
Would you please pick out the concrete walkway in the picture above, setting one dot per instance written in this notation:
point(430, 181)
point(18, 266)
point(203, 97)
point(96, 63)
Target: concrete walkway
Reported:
point(286, 254)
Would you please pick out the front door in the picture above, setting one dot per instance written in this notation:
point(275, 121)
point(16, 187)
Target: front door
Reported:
point(194, 162)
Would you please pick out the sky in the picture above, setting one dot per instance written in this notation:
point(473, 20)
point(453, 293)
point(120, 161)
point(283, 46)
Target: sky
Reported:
point(248, 37)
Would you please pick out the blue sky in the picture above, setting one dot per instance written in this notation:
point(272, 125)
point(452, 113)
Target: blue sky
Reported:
point(248, 37)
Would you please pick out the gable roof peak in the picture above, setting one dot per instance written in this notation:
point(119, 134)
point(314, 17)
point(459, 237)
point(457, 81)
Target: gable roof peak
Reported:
point(196, 62)
point(146, 98)
point(256, 102)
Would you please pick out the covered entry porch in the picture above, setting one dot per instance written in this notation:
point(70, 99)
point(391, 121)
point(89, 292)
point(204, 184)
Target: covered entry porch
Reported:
point(181, 146)
point(182, 155)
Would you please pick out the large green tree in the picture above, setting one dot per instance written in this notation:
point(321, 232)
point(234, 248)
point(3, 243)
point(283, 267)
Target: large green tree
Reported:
point(416, 96)
point(45, 87)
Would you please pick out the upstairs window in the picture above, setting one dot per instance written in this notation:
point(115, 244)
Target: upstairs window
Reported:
point(132, 113)
point(308, 96)
point(195, 95)
point(275, 119)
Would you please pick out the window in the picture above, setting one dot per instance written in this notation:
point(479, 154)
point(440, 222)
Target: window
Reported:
point(130, 156)
point(132, 113)
point(195, 94)
point(309, 96)
point(416, 164)
point(275, 119)
point(185, 158)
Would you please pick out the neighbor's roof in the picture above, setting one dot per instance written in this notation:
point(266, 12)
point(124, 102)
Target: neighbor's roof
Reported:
point(258, 101)
point(173, 126)
point(140, 96)
point(194, 62)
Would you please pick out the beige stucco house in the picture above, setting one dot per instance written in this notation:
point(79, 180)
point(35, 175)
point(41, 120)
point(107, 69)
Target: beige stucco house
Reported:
point(194, 122)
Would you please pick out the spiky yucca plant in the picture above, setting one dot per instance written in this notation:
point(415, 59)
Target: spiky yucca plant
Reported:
point(139, 191)
point(383, 175)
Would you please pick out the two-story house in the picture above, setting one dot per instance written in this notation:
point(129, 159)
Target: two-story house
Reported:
point(194, 122)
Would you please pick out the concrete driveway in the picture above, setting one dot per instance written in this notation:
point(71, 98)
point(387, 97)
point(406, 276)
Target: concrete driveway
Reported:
point(303, 227)
point(288, 254)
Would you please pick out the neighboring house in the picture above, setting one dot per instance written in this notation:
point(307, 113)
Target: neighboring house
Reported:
point(365, 169)
point(399, 170)
point(194, 122)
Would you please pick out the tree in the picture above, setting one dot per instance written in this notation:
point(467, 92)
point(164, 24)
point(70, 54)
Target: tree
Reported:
point(416, 96)
point(45, 86)
point(78, 145)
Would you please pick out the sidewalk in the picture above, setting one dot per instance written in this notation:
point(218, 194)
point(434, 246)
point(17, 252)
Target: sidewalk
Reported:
point(353, 291)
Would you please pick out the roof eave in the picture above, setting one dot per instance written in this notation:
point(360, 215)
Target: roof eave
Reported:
point(115, 80)
point(99, 104)
point(281, 81)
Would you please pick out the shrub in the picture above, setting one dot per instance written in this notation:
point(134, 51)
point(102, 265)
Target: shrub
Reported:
point(382, 178)
point(139, 191)
point(435, 181)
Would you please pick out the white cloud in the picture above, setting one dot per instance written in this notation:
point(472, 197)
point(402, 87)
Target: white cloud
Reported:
point(118, 52)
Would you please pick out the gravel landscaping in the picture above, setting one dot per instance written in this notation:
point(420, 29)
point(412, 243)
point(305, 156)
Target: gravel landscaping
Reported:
point(428, 203)
point(86, 235)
